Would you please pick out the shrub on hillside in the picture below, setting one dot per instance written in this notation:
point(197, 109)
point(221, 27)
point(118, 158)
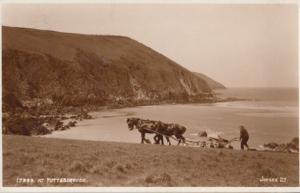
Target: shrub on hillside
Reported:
point(24, 126)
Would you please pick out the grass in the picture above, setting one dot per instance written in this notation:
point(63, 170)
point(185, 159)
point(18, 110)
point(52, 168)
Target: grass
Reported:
point(124, 164)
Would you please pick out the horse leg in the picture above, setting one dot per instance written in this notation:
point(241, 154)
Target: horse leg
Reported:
point(178, 137)
point(168, 140)
point(183, 139)
point(143, 137)
point(162, 139)
point(154, 138)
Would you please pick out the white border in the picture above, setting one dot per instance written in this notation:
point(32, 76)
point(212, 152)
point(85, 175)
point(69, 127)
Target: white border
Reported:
point(1, 153)
point(146, 189)
point(156, 1)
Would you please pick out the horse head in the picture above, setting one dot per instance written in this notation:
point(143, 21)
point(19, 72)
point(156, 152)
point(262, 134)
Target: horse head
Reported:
point(131, 122)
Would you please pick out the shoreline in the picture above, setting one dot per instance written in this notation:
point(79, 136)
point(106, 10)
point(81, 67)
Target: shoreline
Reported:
point(57, 112)
point(66, 118)
point(103, 115)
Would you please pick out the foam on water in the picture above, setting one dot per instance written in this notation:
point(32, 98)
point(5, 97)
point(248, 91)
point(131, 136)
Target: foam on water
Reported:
point(258, 105)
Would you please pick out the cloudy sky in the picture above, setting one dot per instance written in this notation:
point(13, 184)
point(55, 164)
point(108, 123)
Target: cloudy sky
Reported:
point(237, 45)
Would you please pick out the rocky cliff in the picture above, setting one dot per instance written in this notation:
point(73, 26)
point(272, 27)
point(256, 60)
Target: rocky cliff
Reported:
point(77, 69)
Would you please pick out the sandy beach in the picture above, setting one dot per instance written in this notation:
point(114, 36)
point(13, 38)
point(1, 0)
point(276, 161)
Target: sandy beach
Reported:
point(264, 123)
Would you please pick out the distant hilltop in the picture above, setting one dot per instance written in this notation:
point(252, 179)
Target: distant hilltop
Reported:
point(76, 69)
point(212, 83)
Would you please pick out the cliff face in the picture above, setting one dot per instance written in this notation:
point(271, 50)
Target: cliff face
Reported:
point(76, 69)
point(212, 83)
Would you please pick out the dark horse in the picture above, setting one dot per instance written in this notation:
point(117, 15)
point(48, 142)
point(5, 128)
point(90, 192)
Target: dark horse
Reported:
point(168, 130)
point(157, 127)
point(143, 126)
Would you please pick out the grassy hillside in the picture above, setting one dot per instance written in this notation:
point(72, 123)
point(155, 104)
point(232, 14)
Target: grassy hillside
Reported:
point(121, 164)
point(76, 70)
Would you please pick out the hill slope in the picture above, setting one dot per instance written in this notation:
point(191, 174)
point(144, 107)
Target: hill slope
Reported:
point(77, 69)
point(212, 83)
point(124, 164)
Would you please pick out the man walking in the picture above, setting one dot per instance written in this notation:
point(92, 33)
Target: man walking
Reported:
point(244, 137)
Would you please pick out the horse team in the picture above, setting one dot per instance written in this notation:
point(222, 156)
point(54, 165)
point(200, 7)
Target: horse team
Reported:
point(158, 128)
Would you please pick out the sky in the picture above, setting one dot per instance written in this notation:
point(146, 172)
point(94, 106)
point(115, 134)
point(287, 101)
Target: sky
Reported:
point(244, 45)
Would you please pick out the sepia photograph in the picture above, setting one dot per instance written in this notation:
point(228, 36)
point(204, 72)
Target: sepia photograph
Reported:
point(147, 94)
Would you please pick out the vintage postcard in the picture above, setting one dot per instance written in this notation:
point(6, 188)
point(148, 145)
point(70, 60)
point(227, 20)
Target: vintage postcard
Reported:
point(150, 95)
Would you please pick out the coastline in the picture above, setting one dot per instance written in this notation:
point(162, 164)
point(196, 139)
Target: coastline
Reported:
point(68, 115)
point(41, 114)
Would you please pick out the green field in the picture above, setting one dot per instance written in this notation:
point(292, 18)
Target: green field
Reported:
point(123, 164)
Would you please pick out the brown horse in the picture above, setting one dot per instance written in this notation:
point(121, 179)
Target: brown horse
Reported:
point(149, 126)
point(143, 126)
point(168, 130)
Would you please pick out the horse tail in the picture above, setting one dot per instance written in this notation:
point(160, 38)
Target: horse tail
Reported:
point(181, 129)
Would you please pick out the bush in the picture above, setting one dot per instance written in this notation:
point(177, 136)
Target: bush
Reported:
point(25, 126)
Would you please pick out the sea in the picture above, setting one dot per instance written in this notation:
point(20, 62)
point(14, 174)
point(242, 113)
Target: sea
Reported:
point(269, 115)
